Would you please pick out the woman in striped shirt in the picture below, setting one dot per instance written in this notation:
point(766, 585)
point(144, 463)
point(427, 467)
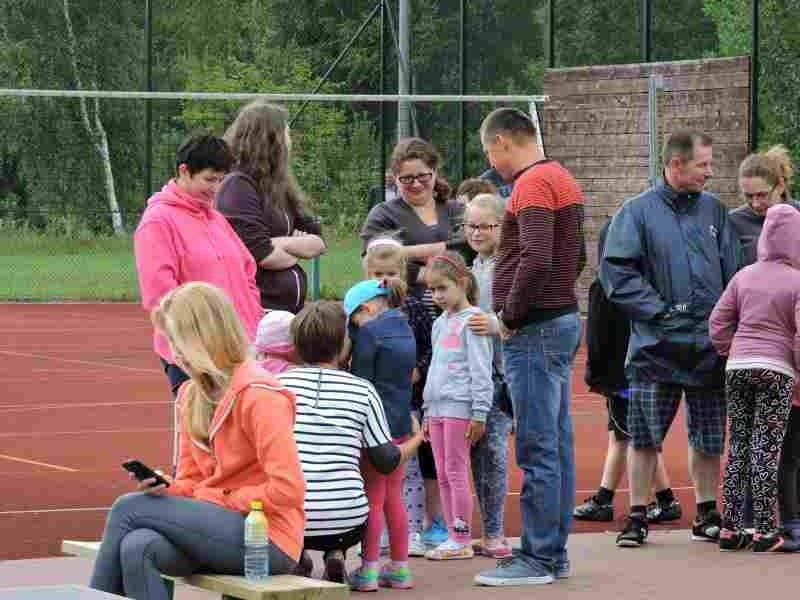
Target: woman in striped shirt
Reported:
point(339, 418)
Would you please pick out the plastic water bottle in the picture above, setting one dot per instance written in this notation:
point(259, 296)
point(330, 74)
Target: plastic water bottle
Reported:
point(256, 543)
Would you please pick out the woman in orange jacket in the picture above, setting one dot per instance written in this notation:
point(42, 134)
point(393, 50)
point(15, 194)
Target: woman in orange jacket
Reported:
point(236, 446)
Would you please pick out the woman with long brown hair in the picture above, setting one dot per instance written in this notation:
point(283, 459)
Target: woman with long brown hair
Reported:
point(266, 207)
point(237, 447)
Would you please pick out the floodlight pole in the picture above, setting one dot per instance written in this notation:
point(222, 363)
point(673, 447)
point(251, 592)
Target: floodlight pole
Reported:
point(647, 30)
point(755, 72)
point(403, 75)
point(148, 104)
point(462, 88)
point(551, 34)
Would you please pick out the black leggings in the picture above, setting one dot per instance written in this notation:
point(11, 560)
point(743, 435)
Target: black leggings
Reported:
point(789, 469)
point(758, 407)
point(339, 541)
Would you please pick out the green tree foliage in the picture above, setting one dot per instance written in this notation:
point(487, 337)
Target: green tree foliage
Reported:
point(779, 102)
point(47, 161)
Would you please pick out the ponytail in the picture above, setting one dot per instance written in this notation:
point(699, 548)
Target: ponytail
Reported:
point(396, 291)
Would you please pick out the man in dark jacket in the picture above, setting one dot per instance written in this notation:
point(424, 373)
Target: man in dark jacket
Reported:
point(670, 253)
point(607, 334)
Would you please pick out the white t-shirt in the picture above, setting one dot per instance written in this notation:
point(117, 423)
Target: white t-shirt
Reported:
point(338, 414)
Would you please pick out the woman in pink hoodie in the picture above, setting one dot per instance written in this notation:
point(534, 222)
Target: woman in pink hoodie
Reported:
point(756, 324)
point(183, 238)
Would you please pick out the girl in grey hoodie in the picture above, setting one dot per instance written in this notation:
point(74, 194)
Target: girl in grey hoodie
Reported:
point(457, 397)
point(756, 324)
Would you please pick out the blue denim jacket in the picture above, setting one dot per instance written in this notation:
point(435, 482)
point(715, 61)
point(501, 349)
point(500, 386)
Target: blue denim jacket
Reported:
point(385, 353)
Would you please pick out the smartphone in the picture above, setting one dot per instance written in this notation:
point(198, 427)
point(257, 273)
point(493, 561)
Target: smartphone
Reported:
point(141, 471)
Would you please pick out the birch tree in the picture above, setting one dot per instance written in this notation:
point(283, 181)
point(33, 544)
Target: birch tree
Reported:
point(93, 124)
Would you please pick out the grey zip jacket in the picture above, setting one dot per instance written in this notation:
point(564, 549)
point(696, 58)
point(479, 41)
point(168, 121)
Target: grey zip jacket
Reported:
point(459, 383)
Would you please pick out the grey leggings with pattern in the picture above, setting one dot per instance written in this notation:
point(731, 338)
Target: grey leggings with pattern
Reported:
point(489, 459)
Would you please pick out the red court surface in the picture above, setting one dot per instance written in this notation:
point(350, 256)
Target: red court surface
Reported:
point(83, 391)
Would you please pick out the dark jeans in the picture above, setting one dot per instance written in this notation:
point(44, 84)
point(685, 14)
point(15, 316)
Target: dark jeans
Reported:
point(175, 375)
point(789, 469)
point(149, 535)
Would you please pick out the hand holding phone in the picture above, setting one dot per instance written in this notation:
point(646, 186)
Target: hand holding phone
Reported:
point(142, 473)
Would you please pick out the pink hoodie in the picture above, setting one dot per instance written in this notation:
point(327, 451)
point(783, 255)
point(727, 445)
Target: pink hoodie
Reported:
point(756, 322)
point(181, 239)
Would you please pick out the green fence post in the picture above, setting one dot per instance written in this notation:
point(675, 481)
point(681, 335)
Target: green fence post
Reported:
point(315, 279)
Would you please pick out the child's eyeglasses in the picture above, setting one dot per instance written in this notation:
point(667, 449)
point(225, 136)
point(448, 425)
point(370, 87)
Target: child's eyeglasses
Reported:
point(409, 179)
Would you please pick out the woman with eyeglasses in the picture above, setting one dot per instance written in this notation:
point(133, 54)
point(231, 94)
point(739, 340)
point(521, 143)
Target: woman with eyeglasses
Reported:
point(764, 180)
point(427, 219)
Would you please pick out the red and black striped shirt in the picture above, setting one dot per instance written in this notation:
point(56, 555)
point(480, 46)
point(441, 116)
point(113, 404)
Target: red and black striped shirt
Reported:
point(542, 249)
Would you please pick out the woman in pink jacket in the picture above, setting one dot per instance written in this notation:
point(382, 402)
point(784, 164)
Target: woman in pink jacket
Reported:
point(183, 238)
point(756, 324)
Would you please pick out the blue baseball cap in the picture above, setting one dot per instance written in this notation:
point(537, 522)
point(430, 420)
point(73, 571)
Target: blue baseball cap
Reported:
point(362, 292)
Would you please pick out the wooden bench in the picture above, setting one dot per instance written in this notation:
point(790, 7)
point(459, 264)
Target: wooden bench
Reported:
point(230, 587)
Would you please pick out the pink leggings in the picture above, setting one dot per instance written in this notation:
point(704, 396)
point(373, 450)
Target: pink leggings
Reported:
point(451, 453)
point(385, 496)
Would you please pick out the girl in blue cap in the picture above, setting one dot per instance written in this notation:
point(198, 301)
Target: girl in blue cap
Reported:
point(384, 351)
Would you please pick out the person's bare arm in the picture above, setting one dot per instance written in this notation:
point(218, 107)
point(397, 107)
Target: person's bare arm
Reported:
point(424, 250)
point(304, 246)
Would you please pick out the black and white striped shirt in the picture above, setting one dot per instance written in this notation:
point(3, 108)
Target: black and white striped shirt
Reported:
point(338, 414)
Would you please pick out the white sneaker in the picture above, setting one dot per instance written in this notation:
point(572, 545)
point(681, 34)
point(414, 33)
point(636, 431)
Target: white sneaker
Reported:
point(415, 545)
point(450, 550)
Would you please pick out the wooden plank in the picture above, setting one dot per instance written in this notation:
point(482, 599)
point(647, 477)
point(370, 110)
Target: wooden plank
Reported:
point(277, 587)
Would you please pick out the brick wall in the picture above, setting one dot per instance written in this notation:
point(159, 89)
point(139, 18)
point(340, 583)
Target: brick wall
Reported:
point(595, 123)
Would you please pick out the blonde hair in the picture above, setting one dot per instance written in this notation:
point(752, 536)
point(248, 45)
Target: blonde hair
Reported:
point(780, 155)
point(390, 251)
point(491, 202)
point(763, 167)
point(202, 326)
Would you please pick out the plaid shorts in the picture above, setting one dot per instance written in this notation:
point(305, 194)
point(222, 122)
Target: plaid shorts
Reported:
point(652, 407)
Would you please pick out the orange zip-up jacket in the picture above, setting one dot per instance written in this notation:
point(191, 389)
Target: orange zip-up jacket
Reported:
point(251, 455)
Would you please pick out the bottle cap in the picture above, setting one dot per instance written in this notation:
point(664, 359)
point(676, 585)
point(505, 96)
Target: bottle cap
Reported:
point(256, 505)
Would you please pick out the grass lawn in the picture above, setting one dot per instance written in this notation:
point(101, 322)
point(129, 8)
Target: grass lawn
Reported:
point(56, 268)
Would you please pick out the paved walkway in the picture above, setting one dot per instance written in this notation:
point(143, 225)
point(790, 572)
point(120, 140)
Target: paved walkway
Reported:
point(670, 567)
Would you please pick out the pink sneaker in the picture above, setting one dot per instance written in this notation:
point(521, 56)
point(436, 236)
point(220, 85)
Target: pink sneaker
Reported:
point(498, 548)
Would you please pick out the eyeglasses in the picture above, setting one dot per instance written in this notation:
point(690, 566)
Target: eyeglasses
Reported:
point(421, 177)
point(758, 195)
point(482, 227)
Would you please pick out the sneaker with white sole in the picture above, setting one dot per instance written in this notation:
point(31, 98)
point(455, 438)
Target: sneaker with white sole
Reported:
point(515, 571)
point(416, 547)
point(436, 534)
point(707, 527)
point(450, 550)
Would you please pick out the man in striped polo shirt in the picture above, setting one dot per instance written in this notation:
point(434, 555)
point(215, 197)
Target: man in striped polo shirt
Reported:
point(541, 254)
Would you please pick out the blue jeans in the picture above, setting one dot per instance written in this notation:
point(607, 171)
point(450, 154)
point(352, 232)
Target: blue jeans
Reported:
point(538, 363)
